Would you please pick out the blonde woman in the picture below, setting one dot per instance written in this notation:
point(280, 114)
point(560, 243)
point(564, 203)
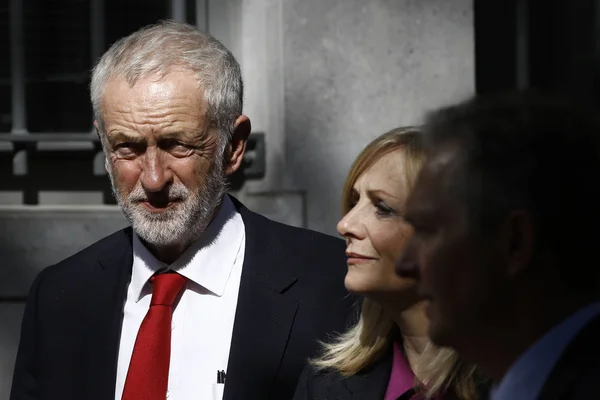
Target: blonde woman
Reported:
point(387, 354)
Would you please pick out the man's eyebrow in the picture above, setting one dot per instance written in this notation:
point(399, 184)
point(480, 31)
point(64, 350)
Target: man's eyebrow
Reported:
point(409, 217)
point(119, 136)
point(186, 135)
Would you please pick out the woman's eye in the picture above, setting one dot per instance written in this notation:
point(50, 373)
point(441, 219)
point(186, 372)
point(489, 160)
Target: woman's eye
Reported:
point(383, 209)
point(353, 201)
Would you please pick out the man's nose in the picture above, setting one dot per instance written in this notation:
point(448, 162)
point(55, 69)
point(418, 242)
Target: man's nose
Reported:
point(407, 265)
point(156, 174)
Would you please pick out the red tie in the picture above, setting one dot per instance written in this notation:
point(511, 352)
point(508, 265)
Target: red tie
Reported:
point(148, 373)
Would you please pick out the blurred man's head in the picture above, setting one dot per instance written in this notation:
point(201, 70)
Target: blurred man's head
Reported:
point(168, 106)
point(505, 212)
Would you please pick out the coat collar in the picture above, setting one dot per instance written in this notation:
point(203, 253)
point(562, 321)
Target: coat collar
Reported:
point(106, 293)
point(264, 315)
point(372, 382)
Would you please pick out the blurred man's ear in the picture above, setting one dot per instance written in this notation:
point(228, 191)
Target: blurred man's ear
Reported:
point(408, 264)
point(520, 239)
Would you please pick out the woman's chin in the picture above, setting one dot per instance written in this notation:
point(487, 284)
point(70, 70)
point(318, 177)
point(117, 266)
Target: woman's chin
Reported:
point(356, 284)
point(399, 295)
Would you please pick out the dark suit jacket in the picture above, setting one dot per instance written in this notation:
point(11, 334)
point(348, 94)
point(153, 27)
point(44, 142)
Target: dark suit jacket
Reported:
point(576, 375)
point(291, 293)
point(369, 384)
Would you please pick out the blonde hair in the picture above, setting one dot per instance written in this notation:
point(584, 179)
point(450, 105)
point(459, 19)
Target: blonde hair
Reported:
point(371, 338)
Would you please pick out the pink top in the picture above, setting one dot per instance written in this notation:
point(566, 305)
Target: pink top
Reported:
point(402, 378)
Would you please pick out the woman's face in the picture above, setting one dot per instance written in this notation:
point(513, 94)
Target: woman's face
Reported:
point(376, 233)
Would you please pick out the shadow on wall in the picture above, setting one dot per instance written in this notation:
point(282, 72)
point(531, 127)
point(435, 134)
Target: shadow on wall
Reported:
point(11, 314)
point(38, 237)
point(31, 240)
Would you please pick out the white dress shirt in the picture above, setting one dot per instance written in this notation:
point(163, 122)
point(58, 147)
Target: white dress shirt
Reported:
point(527, 376)
point(203, 318)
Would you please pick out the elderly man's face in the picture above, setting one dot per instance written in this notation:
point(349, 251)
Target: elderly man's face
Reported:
point(162, 157)
point(459, 272)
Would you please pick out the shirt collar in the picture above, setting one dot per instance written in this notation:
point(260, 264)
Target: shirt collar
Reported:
point(207, 262)
point(527, 376)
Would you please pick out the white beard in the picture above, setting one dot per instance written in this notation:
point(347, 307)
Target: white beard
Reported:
point(183, 222)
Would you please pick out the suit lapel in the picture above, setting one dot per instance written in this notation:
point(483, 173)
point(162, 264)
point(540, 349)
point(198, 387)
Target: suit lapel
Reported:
point(264, 315)
point(579, 355)
point(106, 294)
point(370, 384)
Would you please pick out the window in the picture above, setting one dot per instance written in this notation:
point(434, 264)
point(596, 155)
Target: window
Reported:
point(48, 151)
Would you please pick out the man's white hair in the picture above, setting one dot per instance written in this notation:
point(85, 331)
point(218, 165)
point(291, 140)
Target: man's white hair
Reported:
point(159, 49)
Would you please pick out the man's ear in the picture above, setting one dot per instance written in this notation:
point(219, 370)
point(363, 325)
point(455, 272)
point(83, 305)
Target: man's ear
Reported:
point(237, 147)
point(97, 126)
point(521, 241)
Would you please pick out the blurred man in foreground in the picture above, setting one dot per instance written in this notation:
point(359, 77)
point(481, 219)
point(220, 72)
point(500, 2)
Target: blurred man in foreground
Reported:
point(505, 216)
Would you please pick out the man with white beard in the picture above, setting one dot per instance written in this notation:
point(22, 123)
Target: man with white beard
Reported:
point(200, 298)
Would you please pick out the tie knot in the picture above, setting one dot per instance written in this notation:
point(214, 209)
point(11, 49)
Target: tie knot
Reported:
point(166, 288)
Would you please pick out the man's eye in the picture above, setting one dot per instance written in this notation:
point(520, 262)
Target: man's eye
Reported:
point(127, 146)
point(423, 230)
point(173, 144)
point(128, 149)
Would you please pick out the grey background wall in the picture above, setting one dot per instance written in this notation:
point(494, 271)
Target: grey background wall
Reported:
point(355, 69)
point(323, 77)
